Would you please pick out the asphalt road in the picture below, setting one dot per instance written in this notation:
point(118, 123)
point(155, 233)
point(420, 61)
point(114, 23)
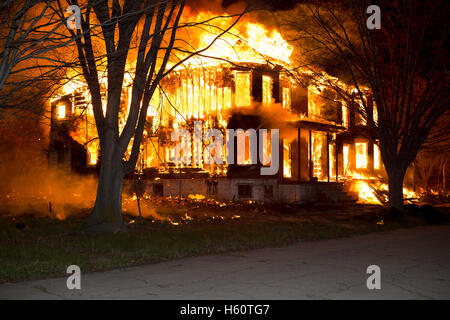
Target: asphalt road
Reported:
point(414, 264)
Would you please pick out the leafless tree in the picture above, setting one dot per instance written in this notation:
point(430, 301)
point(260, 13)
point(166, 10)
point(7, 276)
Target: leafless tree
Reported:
point(403, 65)
point(433, 157)
point(29, 39)
point(106, 40)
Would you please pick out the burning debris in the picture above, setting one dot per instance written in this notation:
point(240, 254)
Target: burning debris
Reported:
point(178, 211)
point(375, 191)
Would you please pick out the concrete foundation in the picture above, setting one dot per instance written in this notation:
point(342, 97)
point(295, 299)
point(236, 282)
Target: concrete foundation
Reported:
point(227, 189)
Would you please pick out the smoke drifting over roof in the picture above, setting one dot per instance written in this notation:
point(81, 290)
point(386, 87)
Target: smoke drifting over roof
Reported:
point(265, 4)
point(235, 6)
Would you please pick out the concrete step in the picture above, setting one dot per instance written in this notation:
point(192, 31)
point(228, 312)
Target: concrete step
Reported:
point(340, 195)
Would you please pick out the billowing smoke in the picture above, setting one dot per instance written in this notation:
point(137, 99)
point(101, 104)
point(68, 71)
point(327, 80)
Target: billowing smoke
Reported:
point(28, 186)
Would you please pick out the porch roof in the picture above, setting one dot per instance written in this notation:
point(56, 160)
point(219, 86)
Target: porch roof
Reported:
point(318, 126)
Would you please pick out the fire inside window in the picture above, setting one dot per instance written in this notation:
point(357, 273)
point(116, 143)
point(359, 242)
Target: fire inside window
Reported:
point(287, 173)
point(376, 157)
point(248, 146)
point(92, 149)
point(92, 158)
point(267, 90)
point(314, 102)
point(247, 159)
point(332, 161)
point(61, 111)
point(267, 142)
point(345, 162)
point(361, 155)
point(286, 98)
point(242, 97)
point(319, 155)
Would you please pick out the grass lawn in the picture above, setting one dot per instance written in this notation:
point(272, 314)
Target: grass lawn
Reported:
point(45, 247)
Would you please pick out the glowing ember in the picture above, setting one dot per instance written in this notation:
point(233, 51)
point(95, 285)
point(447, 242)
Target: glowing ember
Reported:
point(196, 197)
point(365, 192)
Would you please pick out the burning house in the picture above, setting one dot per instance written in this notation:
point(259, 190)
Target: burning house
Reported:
point(322, 142)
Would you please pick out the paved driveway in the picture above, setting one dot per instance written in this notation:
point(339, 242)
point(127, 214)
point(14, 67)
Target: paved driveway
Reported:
point(415, 264)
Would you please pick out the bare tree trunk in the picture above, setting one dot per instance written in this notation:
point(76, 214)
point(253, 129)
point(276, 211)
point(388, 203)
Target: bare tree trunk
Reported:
point(396, 176)
point(406, 76)
point(444, 171)
point(107, 213)
point(157, 39)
